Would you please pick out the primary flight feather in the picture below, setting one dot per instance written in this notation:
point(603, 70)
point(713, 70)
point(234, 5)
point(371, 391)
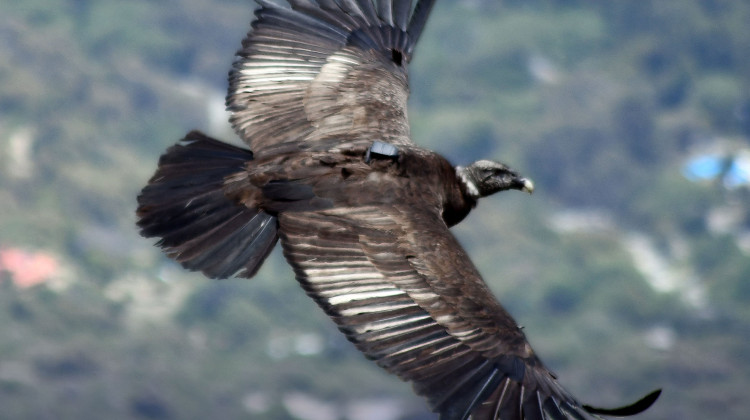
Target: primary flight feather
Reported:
point(319, 92)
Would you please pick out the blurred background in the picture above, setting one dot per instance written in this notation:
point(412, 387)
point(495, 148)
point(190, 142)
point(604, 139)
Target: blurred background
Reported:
point(629, 267)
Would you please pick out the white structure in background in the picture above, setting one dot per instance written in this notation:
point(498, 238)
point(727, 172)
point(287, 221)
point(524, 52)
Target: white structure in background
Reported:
point(282, 344)
point(307, 407)
point(582, 220)
point(216, 114)
point(149, 301)
point(663, 274)
point(729, 166)
point(543, 70)
point(661, 337)
point(18, 162)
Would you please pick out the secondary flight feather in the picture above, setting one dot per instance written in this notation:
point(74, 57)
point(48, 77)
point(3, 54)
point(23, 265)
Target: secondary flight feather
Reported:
point(319, 93)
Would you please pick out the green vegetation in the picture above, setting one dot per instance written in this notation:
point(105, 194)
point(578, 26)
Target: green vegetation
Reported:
point(644, 283)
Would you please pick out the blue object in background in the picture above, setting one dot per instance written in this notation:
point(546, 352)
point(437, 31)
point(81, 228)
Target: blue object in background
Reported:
point(733, 171)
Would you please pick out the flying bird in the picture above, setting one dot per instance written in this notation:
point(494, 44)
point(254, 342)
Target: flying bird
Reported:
point(319, 93)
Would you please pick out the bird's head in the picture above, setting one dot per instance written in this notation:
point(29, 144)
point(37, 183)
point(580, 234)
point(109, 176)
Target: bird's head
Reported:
point(485, 177)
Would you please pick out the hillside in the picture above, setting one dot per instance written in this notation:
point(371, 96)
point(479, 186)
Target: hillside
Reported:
point(628, 270)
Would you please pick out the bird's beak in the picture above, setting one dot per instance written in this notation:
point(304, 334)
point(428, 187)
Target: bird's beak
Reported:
point(528, 186)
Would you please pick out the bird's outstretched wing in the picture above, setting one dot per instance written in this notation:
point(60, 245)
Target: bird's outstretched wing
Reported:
point(318, 73)
point(402, 289)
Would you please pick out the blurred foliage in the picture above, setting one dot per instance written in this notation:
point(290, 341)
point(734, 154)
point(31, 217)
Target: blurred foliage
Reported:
point(599, 102)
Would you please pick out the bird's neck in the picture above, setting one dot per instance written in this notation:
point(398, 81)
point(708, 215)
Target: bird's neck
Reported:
point(468, 183)
point(461, 197)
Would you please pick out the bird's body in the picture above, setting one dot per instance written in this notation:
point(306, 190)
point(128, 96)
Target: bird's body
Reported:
point(319, 93)
point(345, 178)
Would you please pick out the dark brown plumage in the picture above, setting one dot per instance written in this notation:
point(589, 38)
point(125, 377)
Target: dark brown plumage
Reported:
point(319, 93)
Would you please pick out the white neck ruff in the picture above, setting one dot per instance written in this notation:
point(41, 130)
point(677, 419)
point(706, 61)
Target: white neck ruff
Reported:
point(471, 187)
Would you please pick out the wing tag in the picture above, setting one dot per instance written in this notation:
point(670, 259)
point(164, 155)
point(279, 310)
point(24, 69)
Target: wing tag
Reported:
point(381, 150)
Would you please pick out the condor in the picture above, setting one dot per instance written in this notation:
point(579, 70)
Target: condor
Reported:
point(319, 93)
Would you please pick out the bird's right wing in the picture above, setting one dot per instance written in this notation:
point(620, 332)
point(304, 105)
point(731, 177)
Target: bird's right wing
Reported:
point(402, 289)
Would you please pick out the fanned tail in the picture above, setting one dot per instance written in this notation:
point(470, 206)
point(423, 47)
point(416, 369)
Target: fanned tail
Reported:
point(184, 204)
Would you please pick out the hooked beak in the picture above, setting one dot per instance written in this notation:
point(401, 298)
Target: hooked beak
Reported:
point(527, 185)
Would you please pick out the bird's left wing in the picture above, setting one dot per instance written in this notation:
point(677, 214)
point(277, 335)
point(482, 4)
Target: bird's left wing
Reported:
point(316, 73)
point(402, 289)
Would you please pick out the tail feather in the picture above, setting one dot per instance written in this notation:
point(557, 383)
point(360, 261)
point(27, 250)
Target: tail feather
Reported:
point(184, 205)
